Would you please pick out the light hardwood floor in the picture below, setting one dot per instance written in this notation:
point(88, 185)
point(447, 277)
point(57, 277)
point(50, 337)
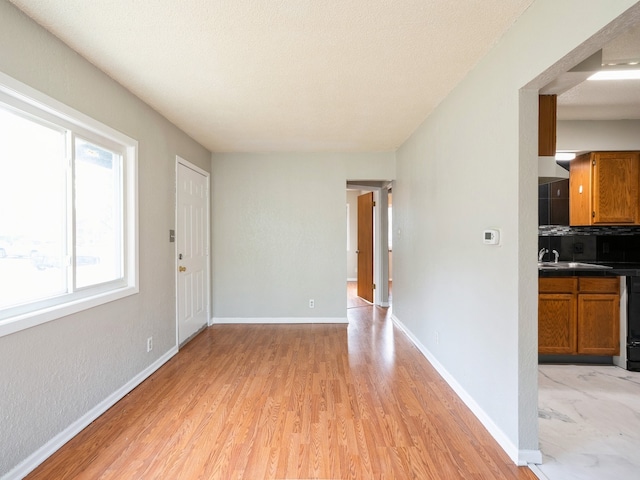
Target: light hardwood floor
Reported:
point(289, 402)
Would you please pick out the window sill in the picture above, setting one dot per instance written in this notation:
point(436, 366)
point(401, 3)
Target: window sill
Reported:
point(18, 323)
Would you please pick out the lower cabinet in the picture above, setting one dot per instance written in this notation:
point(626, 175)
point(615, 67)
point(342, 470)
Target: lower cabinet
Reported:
point(579, 315)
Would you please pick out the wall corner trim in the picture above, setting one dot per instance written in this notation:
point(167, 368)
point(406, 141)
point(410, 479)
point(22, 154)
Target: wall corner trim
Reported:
point(276, 320)
point(529, 457)
point(519, 457)
point(36, 458)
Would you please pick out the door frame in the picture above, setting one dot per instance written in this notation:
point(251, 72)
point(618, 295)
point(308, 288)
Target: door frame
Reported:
point(380, 237)
point(207, 175)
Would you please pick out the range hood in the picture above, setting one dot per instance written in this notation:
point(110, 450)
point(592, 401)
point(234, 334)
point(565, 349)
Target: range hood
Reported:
point(549, 171)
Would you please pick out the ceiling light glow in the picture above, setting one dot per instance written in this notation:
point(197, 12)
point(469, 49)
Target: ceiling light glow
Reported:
point(565, 155)
point(616, 75)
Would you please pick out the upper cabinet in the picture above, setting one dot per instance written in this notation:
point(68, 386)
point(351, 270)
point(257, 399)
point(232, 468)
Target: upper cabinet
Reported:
point(603, 189)
point(547, 125)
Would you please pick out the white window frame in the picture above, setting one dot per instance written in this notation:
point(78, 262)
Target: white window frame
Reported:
point(24, 98)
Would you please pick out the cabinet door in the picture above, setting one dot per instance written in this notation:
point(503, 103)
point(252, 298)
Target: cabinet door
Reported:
point(557, 323)
point(547, 125)
point(615, 187)
point(580, 190)
point(599, 324)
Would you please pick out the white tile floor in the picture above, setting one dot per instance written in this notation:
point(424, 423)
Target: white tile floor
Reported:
point(589, 420)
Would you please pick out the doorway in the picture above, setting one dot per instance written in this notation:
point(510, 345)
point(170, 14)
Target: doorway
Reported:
point(570, 409)
point(192, 250)
point(368, 242)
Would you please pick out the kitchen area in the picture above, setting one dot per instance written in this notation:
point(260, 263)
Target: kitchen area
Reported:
point(589, 272)
point(589, 269)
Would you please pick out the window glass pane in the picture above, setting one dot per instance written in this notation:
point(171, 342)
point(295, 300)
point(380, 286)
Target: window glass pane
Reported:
point(98, 214)
point(32, 210)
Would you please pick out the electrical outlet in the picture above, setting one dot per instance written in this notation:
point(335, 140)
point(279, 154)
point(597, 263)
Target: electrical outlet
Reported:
point(149, 344)
point(312, 303)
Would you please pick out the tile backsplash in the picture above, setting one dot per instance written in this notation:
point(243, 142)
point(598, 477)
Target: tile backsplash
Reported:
point(601, 244)
point(554, 230)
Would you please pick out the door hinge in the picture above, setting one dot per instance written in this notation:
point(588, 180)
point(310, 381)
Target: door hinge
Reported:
point(594, 163)
point(374, 204)
point(373, 286)
point(593, 214)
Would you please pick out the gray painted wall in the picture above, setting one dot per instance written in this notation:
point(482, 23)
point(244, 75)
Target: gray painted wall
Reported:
point(588, 135)
point(468, 167)
point(55, 373)
point(279, 232)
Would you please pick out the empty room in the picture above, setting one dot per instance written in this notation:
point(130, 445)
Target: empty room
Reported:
point(173, 271)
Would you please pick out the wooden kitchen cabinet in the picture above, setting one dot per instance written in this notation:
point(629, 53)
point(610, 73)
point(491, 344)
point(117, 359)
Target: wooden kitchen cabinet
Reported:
point(603, 189)
point(557, 323)
point(579, 316)
point(599, 316)
point(599, 324)
point(557, 315)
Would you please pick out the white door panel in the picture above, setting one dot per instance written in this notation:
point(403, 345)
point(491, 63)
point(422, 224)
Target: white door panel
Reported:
point(192, 251)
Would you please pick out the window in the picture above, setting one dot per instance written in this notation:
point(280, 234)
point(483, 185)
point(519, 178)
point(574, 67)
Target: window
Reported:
point(68, 200)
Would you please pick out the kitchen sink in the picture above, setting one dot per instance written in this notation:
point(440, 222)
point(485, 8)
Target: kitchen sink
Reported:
point(571, 265)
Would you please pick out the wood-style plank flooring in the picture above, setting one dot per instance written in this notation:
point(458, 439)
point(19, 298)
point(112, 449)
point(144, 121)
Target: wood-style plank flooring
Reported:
point(289, 402)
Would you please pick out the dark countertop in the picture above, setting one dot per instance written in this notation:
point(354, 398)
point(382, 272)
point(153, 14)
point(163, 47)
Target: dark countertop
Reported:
point(616, 270)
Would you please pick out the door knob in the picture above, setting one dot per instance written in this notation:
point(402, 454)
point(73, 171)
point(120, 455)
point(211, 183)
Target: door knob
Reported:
point(357, 251)
point(182, 269)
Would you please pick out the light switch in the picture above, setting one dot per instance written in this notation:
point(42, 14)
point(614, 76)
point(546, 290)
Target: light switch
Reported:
point(172, 236)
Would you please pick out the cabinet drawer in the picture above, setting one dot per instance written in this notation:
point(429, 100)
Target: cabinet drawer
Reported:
point(599, 285)
point(557, 285)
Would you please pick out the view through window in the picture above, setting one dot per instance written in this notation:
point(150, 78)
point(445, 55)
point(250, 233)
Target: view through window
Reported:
point(63, 212)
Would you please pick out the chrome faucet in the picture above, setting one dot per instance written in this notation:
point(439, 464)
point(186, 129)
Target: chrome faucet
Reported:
point(542, 253)
point(556, 256)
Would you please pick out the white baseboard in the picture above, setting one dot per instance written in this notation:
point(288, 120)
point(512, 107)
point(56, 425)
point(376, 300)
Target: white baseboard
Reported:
point(36, 458)
point(352, 279)
point(276, 320)
point(519, 457)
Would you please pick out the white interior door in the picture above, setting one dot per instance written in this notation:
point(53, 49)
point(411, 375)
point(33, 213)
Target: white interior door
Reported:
point(192, 249)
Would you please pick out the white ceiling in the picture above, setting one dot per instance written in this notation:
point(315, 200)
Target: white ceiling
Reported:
point(285, 75)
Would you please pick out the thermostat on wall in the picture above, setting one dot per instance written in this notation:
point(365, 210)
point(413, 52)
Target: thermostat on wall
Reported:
point(492, 237)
